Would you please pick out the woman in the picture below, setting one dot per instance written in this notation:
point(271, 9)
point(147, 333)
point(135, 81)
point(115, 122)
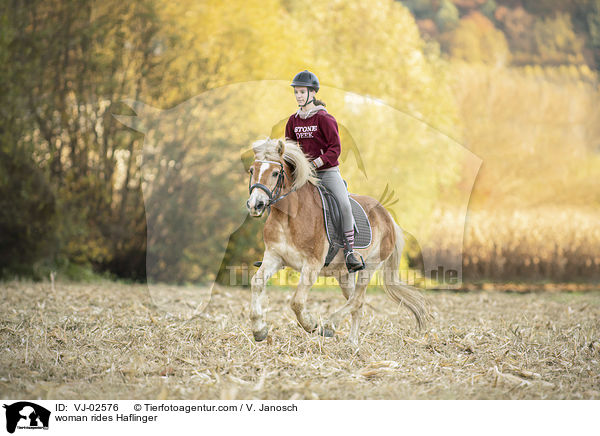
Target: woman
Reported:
point(317, 133)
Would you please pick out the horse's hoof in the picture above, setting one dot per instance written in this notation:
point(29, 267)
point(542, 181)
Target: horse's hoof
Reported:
point(327, 332)
point(261, 335)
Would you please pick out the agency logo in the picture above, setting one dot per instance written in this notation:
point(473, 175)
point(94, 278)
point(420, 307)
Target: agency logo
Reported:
point(26, 415)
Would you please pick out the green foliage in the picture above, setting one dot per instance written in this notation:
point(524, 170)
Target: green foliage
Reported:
point(447, 16)
point(421, 8)
point(488, 8)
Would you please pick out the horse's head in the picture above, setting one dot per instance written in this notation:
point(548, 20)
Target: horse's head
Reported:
point(280, 168)
point(267, 176)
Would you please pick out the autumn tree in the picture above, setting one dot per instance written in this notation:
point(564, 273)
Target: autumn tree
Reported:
point(477, 40)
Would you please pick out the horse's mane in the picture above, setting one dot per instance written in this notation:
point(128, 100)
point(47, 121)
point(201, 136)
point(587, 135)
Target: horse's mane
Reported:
point(302, 170)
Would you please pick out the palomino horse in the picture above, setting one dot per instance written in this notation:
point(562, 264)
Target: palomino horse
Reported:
point(283, 180)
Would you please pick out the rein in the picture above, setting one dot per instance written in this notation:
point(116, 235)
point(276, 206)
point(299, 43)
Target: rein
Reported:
point(274, 196)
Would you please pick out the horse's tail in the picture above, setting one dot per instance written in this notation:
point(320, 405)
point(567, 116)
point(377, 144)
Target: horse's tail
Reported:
point(401, 293)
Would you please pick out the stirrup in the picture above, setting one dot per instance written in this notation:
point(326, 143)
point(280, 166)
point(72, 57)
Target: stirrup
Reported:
point(355, 267)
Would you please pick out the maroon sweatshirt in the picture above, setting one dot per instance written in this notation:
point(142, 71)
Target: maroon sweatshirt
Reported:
point(318, 137)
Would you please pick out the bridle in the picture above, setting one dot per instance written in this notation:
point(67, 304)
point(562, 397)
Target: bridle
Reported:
point(274, 196)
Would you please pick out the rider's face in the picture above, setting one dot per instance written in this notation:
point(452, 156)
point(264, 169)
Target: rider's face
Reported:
point(302, 94)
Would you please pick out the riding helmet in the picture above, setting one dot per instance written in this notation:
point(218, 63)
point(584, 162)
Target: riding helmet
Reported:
point(306, 78)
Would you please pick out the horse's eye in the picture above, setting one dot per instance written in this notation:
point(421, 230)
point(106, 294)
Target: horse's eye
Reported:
point(275, 173)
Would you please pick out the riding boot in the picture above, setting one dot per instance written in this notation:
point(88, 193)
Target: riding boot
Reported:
point(354, 261)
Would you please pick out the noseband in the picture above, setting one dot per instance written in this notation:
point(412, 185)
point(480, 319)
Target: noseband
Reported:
point(274, 196)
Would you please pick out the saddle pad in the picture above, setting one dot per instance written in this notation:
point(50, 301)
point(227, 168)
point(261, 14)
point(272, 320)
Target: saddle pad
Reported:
point(332, 218)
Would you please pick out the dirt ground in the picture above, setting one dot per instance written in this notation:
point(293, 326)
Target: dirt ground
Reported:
point(110, 341)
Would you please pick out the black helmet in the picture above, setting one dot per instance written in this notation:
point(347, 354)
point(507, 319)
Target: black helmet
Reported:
point(306, 78)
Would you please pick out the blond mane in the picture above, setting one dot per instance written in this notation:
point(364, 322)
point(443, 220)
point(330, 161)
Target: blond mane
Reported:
point(302, 170)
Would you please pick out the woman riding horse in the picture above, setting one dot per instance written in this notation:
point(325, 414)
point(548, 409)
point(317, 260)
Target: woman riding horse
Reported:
point(285, 174)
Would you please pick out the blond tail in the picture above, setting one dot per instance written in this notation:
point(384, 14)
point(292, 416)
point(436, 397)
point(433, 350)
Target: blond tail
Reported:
point(401, 293)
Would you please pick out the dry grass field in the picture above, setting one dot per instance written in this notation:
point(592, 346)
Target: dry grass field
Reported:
point(109, 341)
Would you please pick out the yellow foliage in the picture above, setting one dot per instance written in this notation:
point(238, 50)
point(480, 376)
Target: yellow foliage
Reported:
point(216, 43)
point(477, 40)
point(536, 130)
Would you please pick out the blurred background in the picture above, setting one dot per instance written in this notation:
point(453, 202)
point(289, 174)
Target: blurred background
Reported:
point(514, 82)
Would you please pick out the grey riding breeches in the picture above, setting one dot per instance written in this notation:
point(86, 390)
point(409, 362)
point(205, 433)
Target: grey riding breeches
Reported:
point(332, 180)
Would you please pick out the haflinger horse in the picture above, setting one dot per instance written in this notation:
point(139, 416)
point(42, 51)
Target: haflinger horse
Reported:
point(283, 180)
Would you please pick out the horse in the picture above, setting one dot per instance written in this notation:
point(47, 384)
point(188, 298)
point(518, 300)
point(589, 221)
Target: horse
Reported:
point(283, 181)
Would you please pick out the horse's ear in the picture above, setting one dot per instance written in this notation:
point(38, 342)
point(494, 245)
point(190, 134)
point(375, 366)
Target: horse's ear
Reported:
point(280, 147)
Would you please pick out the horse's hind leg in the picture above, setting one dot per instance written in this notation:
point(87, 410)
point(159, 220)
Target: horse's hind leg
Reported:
point(346, 282)
point(308, 277)
point(270, 265)
point(353, 305)
point(364, 277)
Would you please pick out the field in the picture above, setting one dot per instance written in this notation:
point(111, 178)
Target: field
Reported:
point(109, 341)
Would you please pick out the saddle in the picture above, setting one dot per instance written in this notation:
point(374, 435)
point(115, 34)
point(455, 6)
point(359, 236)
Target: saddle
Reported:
point(333, 224)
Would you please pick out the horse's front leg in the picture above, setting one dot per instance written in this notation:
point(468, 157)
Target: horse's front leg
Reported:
point(308, 277)
point(270, 265)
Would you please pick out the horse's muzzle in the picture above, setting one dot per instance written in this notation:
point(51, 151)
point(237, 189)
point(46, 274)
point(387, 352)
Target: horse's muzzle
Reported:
point(258, 208)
